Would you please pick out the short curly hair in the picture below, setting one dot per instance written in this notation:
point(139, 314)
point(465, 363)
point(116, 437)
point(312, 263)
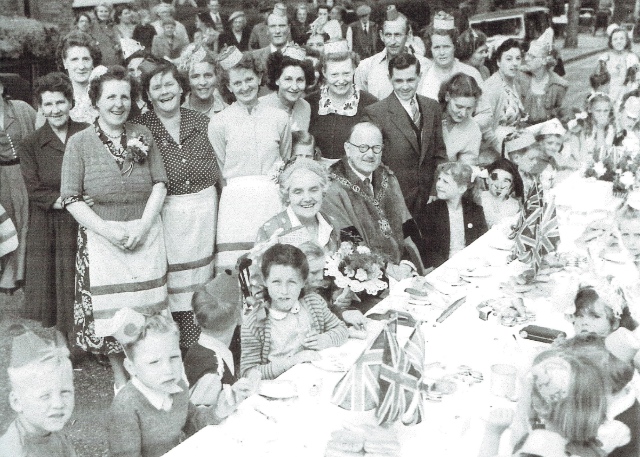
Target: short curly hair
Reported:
point(468, 43)
point(77, 39)
point(428, 38)
point(113, 73)
point(53, 82)
point(461, 172)
point(247, 63)
point(163, 68)
point(276, 63)
point(459, 85)
point(302, 164)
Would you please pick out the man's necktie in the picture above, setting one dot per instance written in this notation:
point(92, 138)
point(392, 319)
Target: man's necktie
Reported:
point(368, 187)
point(415, 112)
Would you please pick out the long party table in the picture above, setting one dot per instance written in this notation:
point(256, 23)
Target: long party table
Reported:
point(302, 425)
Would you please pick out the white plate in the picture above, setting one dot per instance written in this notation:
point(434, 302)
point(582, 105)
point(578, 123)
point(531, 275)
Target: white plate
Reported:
point(280, 389)
point(477, 273)
point(330, 364)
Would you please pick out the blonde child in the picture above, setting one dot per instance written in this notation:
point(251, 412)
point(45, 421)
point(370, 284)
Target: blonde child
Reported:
point(529, 156)
point(42, 395)
point(566, 396)
point(212, 364)
point(289, 326)
point(303, 144)
point(152, 412)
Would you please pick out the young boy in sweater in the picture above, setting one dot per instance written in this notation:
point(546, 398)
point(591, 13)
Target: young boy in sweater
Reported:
point(212, 364)
point(152, 412)
point(42, 395)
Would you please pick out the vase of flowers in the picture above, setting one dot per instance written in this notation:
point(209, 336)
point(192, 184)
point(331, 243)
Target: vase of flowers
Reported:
point(357, 268)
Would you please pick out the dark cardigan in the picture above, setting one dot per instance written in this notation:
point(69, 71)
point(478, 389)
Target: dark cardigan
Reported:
point(332, 130)
point(433, 222)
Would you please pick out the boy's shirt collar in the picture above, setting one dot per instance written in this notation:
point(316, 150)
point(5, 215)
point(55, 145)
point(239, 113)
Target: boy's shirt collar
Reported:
point(220, 349)
point(160, 400)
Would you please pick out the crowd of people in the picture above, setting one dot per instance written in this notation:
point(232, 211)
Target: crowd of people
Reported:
point(165, 163)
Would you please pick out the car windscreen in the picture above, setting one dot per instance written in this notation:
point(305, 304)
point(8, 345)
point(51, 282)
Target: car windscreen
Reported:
point(511, 26)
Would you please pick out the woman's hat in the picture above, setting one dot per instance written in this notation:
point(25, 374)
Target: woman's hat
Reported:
point(229, 57)
point(335, 47)
point(294, 51)
point(235, 15)
point(443, 21)
point(518, 140)
point(543, 44)
point(129, 46)
point(28, 348)
point(363, 10)
point(550, 127)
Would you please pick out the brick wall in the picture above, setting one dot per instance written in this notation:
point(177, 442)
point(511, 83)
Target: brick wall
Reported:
point(56, 11)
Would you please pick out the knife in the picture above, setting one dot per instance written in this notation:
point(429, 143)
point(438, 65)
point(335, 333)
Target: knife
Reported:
point(450, 309)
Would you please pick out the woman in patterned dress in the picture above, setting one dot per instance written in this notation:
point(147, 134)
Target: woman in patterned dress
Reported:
point(121, 260)
point(190, 209)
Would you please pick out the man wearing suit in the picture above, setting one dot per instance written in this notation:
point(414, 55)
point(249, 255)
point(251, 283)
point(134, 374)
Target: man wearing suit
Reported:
point(218, 18)
point(362, 35)
point(278, 36)
point(411, 126)
point(372, 74)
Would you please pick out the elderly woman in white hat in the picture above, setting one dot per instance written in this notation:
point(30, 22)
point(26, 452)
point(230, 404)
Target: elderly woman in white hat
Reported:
point(237, 34)
point(544, 90)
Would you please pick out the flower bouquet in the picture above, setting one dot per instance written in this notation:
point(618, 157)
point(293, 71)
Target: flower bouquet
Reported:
point(620, 166)
point(357, 268)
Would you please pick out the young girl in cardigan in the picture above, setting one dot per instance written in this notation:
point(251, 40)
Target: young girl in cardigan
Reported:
point(288, 327)
point(150, 415)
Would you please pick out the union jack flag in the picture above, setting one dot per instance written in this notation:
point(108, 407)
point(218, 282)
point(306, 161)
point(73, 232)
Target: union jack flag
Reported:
point(537, 233)
point(359, 389)
point(399, 384)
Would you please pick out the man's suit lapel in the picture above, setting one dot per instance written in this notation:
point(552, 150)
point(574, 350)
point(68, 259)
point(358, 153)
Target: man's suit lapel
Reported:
point(400, 119)
point(427, 120)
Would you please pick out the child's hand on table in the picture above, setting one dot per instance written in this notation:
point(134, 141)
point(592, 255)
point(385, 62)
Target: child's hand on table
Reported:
point(316, 341)
point(355, 318)
point(305, 356)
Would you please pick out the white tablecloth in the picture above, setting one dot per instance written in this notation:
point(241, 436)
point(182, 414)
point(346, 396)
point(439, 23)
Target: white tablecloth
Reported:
point(453, 427)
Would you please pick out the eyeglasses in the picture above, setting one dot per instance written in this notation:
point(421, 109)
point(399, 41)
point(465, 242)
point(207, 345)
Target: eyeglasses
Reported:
point(376, 148)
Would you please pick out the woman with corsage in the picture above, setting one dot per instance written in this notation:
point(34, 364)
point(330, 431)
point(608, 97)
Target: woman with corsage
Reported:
point(121, 260)
point(251, 141)
point(190, 208)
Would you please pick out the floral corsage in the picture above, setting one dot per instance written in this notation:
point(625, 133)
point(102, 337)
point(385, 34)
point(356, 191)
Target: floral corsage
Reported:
point(136, 151)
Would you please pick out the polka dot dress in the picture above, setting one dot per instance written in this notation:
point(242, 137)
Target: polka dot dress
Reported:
point(191, 165)
point(189, 329)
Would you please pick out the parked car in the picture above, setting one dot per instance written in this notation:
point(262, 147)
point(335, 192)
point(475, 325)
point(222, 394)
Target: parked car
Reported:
point(524, 24)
